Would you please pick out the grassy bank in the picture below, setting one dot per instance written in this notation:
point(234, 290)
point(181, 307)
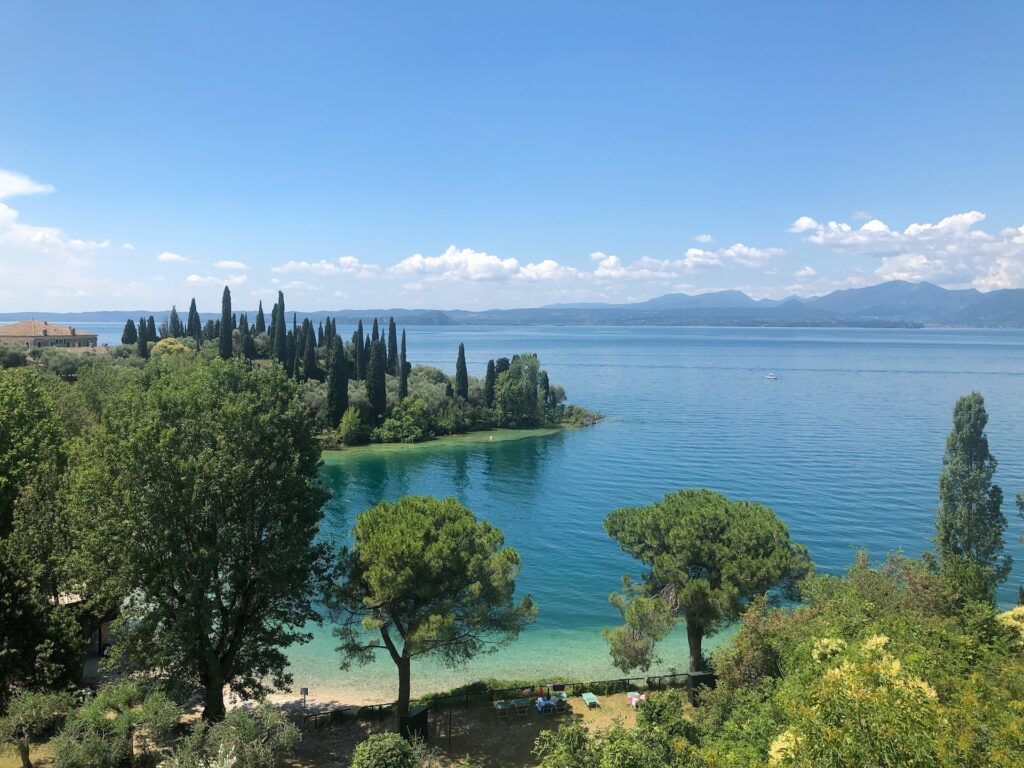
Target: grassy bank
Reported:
point(469, 438)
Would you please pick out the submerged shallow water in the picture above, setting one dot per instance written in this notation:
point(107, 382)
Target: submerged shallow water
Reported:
point(846, 446)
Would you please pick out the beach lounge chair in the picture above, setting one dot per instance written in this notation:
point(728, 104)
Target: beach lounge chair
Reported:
point(522, 706)
point(561, 706)
point(591, 700)
point(503, 708)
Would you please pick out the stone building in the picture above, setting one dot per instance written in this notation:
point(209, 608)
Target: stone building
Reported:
point(36, 334)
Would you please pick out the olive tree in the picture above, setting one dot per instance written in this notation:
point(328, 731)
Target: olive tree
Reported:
point(706, 556)
point(424, 577)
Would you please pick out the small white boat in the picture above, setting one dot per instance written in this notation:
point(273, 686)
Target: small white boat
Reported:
point(772, 377)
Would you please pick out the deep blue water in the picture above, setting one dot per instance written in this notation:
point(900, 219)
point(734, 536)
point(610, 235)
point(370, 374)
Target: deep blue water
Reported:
point(846, 446)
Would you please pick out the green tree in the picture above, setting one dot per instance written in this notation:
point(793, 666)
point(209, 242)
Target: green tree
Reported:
point(174, 326)
point(392, 347)
point(200, 492)
point(194, 326)
point(129, 335)
point(706, 556)
point(461, 374)
point(403, 372)
point(515, 393)
point(359, 352)
point(489, 379)
point(427, 579)
point(142, 340)
point(31, 717)
point(261, 321)
point(224, 350)
point(970, 523)
point(256, 738)
point(337, 385)
point(310, 370)
point(376, 382)
point(30, 436)
point(352, 429)
point(280, 333)
point(40, 640)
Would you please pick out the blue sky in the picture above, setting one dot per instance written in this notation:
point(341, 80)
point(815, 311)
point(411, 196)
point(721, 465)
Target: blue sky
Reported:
point(483, 155)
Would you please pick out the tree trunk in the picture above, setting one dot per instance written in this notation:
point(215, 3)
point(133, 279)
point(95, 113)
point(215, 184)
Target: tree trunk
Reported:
point(23, 752)
point(694, 636)
point(404, 675)
point(213, 711)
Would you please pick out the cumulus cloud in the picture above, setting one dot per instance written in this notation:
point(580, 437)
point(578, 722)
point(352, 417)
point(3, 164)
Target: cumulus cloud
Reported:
point(344, 265)
point(169, 257)
point(805, 273)
point(457, 264)
point(14, 184)
point(953, 251)
point(212, 280)
point(704, 239)
point(235, 265)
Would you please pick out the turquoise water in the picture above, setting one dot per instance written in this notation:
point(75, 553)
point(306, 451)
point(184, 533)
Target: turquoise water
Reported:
point(846, 446)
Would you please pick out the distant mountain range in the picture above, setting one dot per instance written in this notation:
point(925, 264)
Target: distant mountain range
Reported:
point(892, 304)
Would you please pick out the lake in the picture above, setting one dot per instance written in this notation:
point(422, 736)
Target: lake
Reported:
point(846, 446)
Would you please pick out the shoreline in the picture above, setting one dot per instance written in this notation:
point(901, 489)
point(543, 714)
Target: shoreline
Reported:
point(484, 436)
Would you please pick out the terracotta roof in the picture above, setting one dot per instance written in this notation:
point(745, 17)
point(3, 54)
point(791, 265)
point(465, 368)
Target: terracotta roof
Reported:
point(38, 328)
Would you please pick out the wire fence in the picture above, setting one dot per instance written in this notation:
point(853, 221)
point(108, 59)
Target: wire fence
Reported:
point(486, 696)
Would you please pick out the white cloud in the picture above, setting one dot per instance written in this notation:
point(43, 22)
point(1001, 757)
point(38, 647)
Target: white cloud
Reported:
point(697, 258)
point(128, 247)
point(704, 239)
point(235, 265)
point(169, 257)
point(457, 264)
point(548, 269)
point(805, 273)
point(14, 184)
point(212, 280)
point(344, 265)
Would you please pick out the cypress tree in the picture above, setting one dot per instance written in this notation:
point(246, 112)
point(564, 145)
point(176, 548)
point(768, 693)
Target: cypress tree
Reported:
point(248, 346)
point(225, 325)
point(357, 343)
point(210, 331)
point(151, 328)
point(337, 384)
point(309, 367)
point(403, 372)
point(375, 336)
point(366, 352)
point(280, 337)
point(461, 374)
point(195, 326)
point(376, 386)
point(489, 384)
point(174, 327)
point(261, 321)
point(500, 366)
point(142, 340)
point(392, 347)
point(234, 322)
point(544, 388)
point(299, 348)
point(129, 335)
point(970, 522)
point(320, 334)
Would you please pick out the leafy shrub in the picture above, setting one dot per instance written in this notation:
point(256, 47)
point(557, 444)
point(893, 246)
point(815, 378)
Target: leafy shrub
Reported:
point(256, 738)
point(352, 429)
point(385, 750)
point(408, 422)
point(12, 356)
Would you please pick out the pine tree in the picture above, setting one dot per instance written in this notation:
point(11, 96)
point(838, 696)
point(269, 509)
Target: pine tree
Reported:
point(195, 325)
point(261, 321)
point(150, 328)
point(337, 385)
point(403, 372)
point(129, 335)
point(970, 523)
point(461, 374)
point(357, 343)
point(280, 337)
point(376, 386)
point(500, 366)
point(174, 327)
point(392, 347)
point(225, 325)
point(489, 380)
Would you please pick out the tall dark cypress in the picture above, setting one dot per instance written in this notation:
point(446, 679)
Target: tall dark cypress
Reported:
point(248, 346)
point(320, 334)
point(298, 350)
point(210, 331)
point(392, 347)
point(357, 344)
point(461, 374)
point(194, 328)
point(544, 388)
point(150, 328)
point(129, 335)
point(174, 327)
point(366, 352)
point(337, 384)
point(403, 372)
point(376, 386)
point(261, 321)
point(243, 323)
point(142, 339)
point(309, 367)
point(375, 335)
point(225, 325)
point(489, 384)
point(280, 336)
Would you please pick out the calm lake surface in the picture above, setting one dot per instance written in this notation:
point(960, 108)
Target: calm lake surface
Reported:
point(846, 446)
